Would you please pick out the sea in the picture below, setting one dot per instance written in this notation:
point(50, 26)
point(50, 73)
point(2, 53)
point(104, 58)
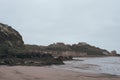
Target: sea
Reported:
point(104, 65)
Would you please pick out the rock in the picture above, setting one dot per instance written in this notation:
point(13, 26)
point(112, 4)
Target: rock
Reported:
point(65, 58)
point(10, 36)
point(113, 53)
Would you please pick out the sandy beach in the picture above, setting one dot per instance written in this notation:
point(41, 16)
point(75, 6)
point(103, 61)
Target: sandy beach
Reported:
point(48, 73)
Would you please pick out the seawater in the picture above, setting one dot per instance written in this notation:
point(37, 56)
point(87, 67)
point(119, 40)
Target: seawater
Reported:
point(106, 65)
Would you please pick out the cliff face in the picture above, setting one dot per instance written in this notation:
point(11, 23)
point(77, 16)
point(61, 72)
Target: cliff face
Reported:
point(75, 50)
point(10, 36)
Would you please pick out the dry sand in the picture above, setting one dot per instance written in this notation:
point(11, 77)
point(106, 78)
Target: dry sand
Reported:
point(48, 73)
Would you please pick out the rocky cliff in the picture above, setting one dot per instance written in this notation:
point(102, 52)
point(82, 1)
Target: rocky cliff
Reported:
point(10, 36)
point(76, 50)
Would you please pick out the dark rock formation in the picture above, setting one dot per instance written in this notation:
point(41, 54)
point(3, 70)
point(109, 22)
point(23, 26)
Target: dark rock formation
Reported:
point(10, 36)
point(13, 51)
point(29, 59)
point(64, 58)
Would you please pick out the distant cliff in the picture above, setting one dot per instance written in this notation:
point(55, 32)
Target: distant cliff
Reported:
point(10, 36)
point(76, 50)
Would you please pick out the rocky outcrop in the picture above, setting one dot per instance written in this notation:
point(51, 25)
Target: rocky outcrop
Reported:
point(10, 36)
point(13, 51)
point(29, 59)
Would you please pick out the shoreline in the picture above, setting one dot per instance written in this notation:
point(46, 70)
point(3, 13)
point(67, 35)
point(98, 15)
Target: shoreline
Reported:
point(48, 73)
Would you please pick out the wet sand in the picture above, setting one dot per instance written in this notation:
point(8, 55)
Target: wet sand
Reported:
point(48, 73)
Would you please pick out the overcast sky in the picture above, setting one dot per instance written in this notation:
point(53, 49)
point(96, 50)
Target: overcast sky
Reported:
point(43, 22)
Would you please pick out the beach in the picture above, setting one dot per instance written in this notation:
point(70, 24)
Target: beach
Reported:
point(48, 73)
